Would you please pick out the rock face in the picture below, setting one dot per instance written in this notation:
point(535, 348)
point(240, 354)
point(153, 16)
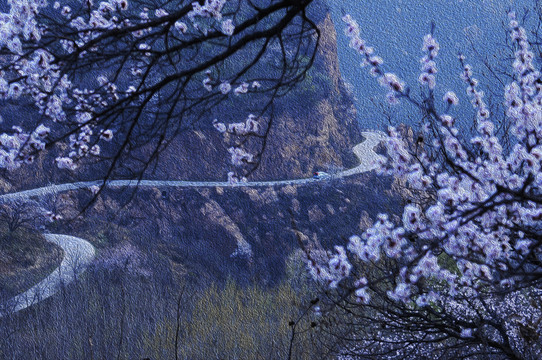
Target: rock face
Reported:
point(318, 135)
point(214, 233)
point(314, 127)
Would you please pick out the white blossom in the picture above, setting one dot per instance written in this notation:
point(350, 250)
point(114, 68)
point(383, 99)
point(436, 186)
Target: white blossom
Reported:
point(227, 27)
point(224, 87)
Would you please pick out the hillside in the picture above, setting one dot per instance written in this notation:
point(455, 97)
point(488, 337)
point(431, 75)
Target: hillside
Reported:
point(314, 128)
point(160, 251)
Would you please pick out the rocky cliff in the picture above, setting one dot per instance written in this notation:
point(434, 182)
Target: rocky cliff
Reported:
point(210, 234)
point(321, 136)
point(314, 127)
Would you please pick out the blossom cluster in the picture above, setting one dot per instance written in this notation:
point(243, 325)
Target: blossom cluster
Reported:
point(234, 179)
point(37, 77)
point(250, 126)
point(486, 209)
point(389, 81)
point(34, 71)
point(20, 148)
point(81, 146)
point(239, 155)
point(333, 271)
point(225, 87)
point(211, 9)
point(524, 96)
point(429, 68)
point(105, 16)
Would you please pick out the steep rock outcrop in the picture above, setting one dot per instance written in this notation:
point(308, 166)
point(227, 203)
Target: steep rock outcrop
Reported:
point(314, 127)
point(318, 135)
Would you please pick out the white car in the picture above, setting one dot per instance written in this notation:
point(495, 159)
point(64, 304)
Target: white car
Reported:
point(320, 175)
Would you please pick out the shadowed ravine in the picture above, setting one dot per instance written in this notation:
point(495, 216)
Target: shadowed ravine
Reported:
point(79, 253)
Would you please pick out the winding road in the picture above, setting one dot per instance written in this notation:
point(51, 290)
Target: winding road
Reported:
point(79, 253)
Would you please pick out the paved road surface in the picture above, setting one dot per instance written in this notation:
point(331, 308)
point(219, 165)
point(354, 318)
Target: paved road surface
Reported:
point(78, 254)
point(364, 151)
